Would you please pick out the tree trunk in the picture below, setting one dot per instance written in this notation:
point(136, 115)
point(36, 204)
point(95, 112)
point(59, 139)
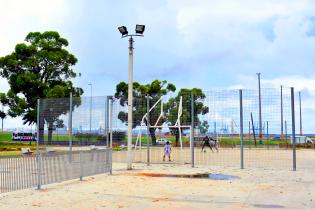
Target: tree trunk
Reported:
point(176, 138)
point(50, 131)
point(152, 134)
point(41, 126)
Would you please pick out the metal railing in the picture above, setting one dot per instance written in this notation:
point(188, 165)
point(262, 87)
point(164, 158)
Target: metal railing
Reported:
point(18, 173)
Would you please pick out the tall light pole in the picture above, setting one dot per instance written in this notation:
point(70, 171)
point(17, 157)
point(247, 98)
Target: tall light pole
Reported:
point(260, 121)
point(90, 108)
point(124, 33)
point(301, 133)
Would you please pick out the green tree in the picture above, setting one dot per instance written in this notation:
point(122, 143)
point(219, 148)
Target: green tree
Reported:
point(171, 109)
point(155, 90)
point(39, 68)
point(203, 127)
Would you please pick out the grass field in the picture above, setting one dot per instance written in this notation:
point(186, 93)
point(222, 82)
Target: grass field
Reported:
point(8, 137)
point(223, 140)
point(5, 136)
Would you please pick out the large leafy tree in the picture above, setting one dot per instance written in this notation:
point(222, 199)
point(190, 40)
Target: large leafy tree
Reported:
point(154, 90)
point(171, 109)
point(40, 67)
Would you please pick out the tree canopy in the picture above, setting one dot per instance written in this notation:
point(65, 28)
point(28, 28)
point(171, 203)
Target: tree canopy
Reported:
point(171, 108)
point(154, 90)
point(40, 67)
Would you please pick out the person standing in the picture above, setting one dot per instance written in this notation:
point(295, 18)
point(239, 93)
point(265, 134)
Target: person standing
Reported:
point(167, 151)
point(206, 142)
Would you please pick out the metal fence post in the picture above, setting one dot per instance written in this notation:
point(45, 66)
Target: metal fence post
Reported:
point(192, 140)
point(281, 109)
point(241, 128)
point(293, 129)
point(268, 138)
point(111, 161)
point(148, 131)
point(37, 147)
point(81, 166)
point(70, 129)
point(111, 123)
point(107, 113)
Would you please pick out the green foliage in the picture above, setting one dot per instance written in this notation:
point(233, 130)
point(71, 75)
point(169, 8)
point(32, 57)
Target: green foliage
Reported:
point(155, 90)
point(39, 68)
point(203, 127)
point(171, 108)
point(117, 136)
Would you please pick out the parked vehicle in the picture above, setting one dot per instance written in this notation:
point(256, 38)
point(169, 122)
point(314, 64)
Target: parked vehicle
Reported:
point(23, 136)
point(163, 141)
point(276, 138)
point(302, 140)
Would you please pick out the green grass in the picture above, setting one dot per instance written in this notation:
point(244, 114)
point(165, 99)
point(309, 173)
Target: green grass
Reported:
point(223, 140)
point(16, 146)
point(8, 137)
point(5, 136)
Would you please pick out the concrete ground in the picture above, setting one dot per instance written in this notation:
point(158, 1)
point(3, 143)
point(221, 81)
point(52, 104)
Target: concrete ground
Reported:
point(255, 189)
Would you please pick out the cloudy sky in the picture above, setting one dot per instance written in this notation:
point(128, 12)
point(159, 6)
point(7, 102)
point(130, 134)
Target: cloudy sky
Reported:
point(206, 44)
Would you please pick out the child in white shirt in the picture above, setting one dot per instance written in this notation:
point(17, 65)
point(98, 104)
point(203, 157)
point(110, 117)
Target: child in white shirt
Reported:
point(167, 151)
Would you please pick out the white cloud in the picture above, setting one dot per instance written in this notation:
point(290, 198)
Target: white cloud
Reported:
point(4, 86)
point(300, 83)
point(19, 17)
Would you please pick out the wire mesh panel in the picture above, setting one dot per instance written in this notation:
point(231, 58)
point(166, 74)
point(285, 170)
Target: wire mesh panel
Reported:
point(156, 120)
point(267, 132)
point(53, 121)
point(217, 131)
point(159, 118)
point(95, 162)
point(85, 118)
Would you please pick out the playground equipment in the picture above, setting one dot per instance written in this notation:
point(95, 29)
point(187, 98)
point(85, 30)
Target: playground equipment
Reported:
point(145, 124)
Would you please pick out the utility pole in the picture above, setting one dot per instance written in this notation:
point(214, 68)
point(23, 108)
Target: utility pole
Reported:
point(260, 120)
point(301, 133)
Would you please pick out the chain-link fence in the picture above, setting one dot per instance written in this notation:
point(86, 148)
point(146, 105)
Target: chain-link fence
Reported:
point(204, 128)
point(234, 128)
point(267, 137)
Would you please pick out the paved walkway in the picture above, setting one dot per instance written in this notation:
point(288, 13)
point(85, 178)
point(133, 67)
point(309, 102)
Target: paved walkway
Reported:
point(255, 189)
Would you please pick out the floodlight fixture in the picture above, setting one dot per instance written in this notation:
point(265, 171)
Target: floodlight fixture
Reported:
point(123, 30)
point(140, 29)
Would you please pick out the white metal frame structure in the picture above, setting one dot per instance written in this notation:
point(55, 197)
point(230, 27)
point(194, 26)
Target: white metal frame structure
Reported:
point(177, 125)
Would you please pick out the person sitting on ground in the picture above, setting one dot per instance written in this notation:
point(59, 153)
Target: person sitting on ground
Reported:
point(167, 151)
